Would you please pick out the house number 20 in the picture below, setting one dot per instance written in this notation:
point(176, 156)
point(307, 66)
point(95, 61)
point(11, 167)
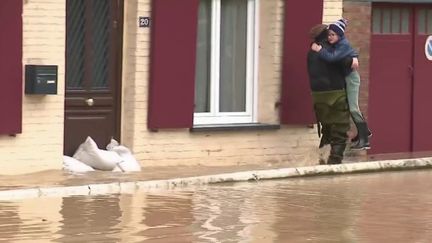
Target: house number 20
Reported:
point(144, 22)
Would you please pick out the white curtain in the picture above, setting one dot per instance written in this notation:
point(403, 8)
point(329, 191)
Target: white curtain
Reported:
point(233, 56)
point(202, 74)
point(233, 49)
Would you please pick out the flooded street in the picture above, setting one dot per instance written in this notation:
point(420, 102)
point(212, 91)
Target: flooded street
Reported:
point(377, 207)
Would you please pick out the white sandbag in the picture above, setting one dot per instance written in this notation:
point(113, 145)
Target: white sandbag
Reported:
point(72, 165)
point(113, 143)
point(117, 169)
point(129, 163)
point(89, 153)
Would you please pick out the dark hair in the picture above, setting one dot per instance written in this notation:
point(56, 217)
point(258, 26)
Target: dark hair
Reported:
point(317, 30)
point(322, 36)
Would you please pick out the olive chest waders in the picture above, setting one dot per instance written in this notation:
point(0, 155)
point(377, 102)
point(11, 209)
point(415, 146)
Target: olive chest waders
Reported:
point(333, 115)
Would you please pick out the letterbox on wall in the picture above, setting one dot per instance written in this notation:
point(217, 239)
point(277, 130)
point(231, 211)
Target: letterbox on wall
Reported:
point(41, 79)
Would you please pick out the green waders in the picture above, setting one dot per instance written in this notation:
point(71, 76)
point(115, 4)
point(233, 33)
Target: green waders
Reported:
point(333, 115)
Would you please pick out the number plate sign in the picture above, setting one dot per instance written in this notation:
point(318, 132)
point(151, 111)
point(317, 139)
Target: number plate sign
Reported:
point(144, 22)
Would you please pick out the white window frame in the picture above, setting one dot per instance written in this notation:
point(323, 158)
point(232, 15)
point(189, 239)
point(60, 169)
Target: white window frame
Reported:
point(249, 116)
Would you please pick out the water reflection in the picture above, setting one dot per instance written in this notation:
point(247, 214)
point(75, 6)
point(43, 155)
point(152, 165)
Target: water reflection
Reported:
point(10, 221)
point(221, 219)
point(323, 211)
point(168, 218)
point(385, 207)
point(92, 218)
point(27, 220)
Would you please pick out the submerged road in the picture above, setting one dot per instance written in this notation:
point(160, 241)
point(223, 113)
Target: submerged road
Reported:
point(377, 207)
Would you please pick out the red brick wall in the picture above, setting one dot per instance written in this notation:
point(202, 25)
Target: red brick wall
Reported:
point(359, 34)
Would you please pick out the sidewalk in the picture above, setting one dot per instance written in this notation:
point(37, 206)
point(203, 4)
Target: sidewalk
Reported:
point(60, 183)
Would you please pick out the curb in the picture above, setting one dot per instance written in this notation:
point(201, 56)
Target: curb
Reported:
point(131, 187)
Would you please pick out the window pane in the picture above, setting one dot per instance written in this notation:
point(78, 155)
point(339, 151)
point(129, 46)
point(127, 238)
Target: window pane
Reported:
point(429, 21)
point(202, 73)
point(233, 56)
point(75, 43)
point(386, 20)
point(421, 21)
point(376, 21)
point(88, 44)
point(101, 35)
point(405, 20)
point(396, 17)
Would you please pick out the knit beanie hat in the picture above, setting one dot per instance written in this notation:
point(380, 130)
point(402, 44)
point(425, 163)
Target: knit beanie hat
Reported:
point(339, 27)
point(317, 30)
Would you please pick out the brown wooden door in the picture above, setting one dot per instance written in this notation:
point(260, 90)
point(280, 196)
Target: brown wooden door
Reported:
point(93, 72)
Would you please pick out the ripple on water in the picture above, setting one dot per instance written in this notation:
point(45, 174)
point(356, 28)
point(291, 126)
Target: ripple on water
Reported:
point(380, 207)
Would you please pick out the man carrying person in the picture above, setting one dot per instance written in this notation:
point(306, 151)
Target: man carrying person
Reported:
point(327, 82)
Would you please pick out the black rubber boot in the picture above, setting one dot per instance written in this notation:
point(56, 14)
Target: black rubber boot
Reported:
point(325, 136)
point(356, 138)
point(336, 154)
point(363, 137)
point(324, 141)
point(322, 161)
point(334, 160)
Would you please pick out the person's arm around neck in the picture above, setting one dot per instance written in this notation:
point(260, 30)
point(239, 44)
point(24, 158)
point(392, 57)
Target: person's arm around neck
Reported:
point(338, 53)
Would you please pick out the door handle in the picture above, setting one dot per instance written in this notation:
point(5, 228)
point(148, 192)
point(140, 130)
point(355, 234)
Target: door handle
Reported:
point(89, 101)
point(411, 71)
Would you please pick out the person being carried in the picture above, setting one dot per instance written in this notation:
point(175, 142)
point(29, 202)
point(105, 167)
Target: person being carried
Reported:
point(339, 49)
point(327, 83)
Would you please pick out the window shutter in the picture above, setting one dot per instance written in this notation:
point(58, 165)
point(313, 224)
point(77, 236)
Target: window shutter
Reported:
point(11, 66)
point(300, 17)
point(172, 67)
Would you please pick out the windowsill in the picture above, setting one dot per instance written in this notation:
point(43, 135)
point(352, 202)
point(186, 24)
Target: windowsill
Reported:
point(234, 127)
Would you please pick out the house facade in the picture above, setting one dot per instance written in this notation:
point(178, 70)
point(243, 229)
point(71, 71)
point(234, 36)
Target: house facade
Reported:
point(193, 82)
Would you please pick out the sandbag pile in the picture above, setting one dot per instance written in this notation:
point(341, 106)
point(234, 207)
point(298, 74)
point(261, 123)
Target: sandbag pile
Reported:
point(129, 163)
point(73, 165)
point(88, 157)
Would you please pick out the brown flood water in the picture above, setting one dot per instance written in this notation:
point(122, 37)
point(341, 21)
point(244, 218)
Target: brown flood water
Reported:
point(380, 207)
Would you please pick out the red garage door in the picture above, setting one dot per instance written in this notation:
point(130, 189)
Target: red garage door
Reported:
point(400, 83)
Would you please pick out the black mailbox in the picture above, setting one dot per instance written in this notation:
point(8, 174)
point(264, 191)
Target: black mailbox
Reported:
point(41, 79)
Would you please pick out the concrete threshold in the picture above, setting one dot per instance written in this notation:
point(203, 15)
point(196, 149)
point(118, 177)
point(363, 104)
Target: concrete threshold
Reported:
point(253, 175)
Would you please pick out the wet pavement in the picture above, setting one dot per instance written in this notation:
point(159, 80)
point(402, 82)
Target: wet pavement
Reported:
point(63, 178)
point(378, 207)
point(59, 178)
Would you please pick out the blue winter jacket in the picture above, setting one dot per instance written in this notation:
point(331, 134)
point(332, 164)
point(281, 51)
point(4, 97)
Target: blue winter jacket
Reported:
point(342, 49)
